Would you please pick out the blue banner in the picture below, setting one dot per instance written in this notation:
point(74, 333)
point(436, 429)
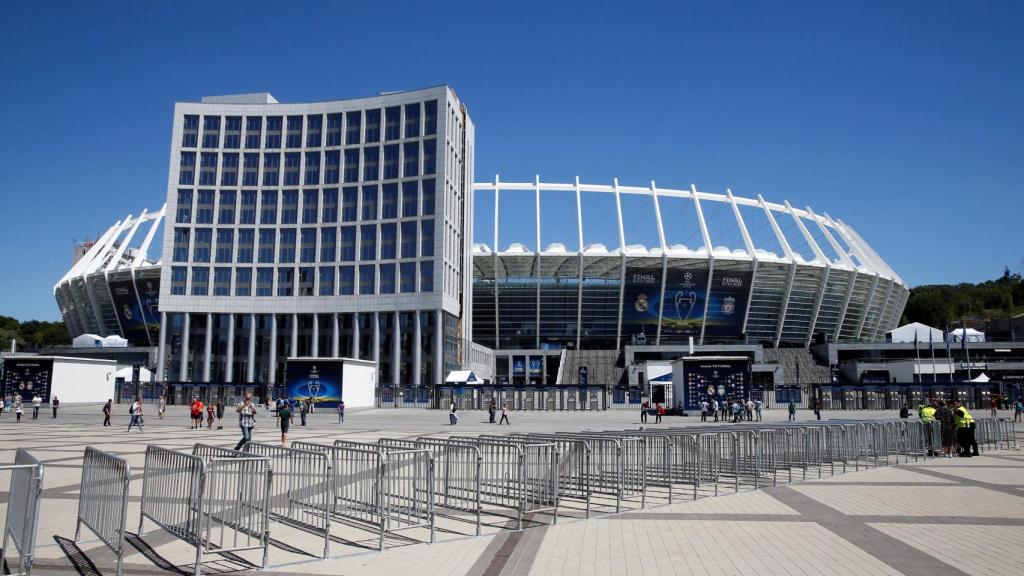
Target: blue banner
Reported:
point(316, 379)
point(728, 303)
point(683, 305)
point(641, 301)
point(718, 379)
point(130, 314)
point(148, 292)
point(536, 366)
point(26, 377)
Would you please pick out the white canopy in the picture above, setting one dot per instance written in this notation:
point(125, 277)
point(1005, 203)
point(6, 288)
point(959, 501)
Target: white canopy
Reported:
point(907, 332)
point(972, 335)
point(981, 378)
point(461, 377)
point(94, 341)
point(126, 373)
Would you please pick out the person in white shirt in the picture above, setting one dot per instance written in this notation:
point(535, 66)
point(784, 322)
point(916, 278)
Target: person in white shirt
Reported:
point(136, 413)
point(36, 402)
point(703, 410)
point(714, 408)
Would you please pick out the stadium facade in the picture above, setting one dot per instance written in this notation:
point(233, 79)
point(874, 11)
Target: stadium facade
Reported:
point(345, 229)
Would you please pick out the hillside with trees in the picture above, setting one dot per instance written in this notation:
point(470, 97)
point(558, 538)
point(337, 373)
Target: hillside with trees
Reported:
point(32, 334)
point(942, 305)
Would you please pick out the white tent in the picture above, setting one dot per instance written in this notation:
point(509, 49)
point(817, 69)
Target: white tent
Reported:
point(982, 378)
point(957, 335)
point(462, 377)
point(94, 341)
point(126, 372)
point(907, 332)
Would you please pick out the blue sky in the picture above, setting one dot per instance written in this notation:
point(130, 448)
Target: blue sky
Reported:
point(905, 119)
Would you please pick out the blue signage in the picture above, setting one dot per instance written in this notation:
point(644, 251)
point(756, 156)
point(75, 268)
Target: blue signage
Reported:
point(317, 379)
point(582, 372)
point(718, 379)
point(518, 366)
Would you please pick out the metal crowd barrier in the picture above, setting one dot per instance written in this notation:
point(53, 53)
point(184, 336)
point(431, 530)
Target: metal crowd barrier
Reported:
point(103, 499)
point(22, 519)
point(215, 499)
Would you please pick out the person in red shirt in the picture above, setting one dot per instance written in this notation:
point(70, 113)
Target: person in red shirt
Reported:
point(994, 404)
point(196, 409)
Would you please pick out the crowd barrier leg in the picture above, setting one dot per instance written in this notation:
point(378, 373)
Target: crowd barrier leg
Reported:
point(103, 500)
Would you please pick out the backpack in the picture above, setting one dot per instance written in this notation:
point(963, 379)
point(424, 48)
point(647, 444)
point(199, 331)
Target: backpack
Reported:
point(131, 410)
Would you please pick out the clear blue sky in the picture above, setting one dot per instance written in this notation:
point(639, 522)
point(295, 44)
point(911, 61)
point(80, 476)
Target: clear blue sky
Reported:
point(903, 118)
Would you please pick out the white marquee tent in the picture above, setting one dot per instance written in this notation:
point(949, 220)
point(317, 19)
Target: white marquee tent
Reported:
point(923, 332)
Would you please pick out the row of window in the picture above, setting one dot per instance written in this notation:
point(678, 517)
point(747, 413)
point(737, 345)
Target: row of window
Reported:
point(378, 163)
point(371, 202)
point(358, 127)
point(395, 240)
point(364, 279)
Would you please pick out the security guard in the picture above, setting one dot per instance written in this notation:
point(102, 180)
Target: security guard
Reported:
point(965, 426)
point(927, 413)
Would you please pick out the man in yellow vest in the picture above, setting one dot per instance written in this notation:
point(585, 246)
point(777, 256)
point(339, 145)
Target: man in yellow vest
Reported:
point(927, 413)
point(965, 426)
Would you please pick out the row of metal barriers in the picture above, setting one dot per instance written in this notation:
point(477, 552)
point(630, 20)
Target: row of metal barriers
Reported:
point(221, 501)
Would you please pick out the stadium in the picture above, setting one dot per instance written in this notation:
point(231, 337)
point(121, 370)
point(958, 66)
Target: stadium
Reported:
point(342, 229)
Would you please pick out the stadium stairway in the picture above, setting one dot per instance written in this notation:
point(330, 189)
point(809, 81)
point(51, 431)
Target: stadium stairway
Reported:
point(601, 367)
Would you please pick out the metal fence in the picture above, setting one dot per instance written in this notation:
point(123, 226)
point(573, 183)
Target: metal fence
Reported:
point(216, 500)
point(22, 519)
point(103, 499)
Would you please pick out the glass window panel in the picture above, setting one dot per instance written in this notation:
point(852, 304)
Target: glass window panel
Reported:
point(293, 136)
point(332, 166)
point(246, 239)
point(387, 278)
point(346, 280)
point(367, 278)
point(353, 127)
point(179, 277)
point(430, 118)
point(351, 165)
point(184, 207)
point(310, 200)
point(268, 207)
point(247, 213)
point(253, 126)
point(370, 194)
point(371, 163)
point(233, 132)
point(410, 198)
point(292, 161)
point(271, 168)
point(266, 247)
point(428, 197)
point(348, 244)
point(286, 247)
point(408, 277)
point(409, 239)
point(329, 214)
point(427, 238)
point(200, 280)
point(326, 281)
point(243, 281)
point(368, 242)
point(289, 207)
point(333, 130)
point(312, 176)
point(286, 281)
point(372, 133)
point(349, 203)
point(187, 168)
point(314, 125)
point(273, 132)
point(389, 201)
point(412, 120)
point(203, 243)
point(426, 276)
point(264, 281)
point(327, 244)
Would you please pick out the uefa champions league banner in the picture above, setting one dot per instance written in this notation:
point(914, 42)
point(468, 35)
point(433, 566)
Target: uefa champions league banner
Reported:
point(715, 379)
point(129, 312)
point(728, 303)
point(640, 302)
point(319, 380)
point(148, 291)
point(27, 377)
point(683, 305)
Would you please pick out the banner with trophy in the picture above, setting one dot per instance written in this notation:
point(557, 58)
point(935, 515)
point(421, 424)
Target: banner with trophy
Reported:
point(319, 379)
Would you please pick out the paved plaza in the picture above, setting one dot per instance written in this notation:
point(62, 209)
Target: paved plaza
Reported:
point(940, 516)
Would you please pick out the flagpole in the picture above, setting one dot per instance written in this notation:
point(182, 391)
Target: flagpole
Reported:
point(949, 353)
point(931, 348)
point(917, 361)
point(967, 350)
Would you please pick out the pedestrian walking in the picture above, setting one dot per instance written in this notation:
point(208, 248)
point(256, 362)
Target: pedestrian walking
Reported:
point(18, 409)
point(196, 411)
point(36, 402)
point(703, 410)
point(792, 411)
point(247, 420)
point(210, 412)
point(54, 403)
point(817, 408)
point(220, 414)
point(758, 406)
point(3, 406)
point(284, 417)
point(491, 410)
point(108, 409)
point(341, 412)
point(303, 410)
point(504, 415)
point(643, 411)
point(994, 405)
point(453, 417)
point(658, 411)
point(161, 409)
point(135, 411)
point(1018, 408)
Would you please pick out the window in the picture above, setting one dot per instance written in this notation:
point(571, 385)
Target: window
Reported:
point(208, 169)
point(243, 282)
point(428, 197)
point(327, 244)
point(307, 245)
point(286, 247)
point(232, 133)
point(430, 118)
point(426, 276)
point(346, 280)
point(411, 163)
point(293, 137)
point(190, 131)
point(266, 249)
point(349, 198)
point(306, 279)
point(200, 280)
point(211, 131)
point(253, 124)
point(184, 207)
point(388, 241)
point(371, 163)
point(310, 199)
point(387, 278)
point(348, 244)
point(291, 168)
point(392, 123)
point(285, 281)
point(409, 239)
point(264, 281)
point(412, 120)
point(201, 249)
point(187, 169)
point(271, 168)
point(353, 125)
point(246, 238)
point(332, 166)
point(351, 165)
point(179, 277)
point(289, 207)
point(226, 210)
point(427, 238)
point(372, 126)
point(369, 202)
point(407, 277)
point(273, 134)
point(329, 214)
point(268, 207)
point(389, 202)
point(327, 281)
point(251, 169)
point(368, 242)
point(222, 281)
point(180, 253)
point(410, 198)
point(333, 130)
point(312, 168)
point(247, 214)
point(367, 279)
point(429, 157)
point(390, 162)
point(225, 246)
point(229, 170)
point(314, 123)
point(204, 207)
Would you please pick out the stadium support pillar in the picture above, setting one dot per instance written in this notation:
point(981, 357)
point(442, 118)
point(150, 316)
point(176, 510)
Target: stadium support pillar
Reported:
point(335, 336)
point(375, 352)
point(417, 347)
point(186, 328)
point(161, 359)
point(250, 367)
point(272, 365)
point(229, 368)
point(207, 347)
point(438, 347)
point(396, 349)
point(355, 336)
point(315, 344)
point(294, 348)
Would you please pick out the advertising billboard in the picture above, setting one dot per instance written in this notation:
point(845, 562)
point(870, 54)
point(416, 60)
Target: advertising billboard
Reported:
point(129, 312)
point(728, 303)
point(148, 292)
point(683, 305)
point(640, 301)
point(318, 379)
point(714, 378)
point(27, 377)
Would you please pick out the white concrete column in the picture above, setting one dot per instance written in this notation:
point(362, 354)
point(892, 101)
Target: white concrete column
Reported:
point(229, 370)
point(250, 369)
point(272, 366)
point(438, 347)
point(208, 347)
point(375, 352)
point(161, 358)
point(417, 348)
point(335, 336)
point(315, 346)
point(294, 351)
point(396, 349)
point(183, 369)
point(355, 335)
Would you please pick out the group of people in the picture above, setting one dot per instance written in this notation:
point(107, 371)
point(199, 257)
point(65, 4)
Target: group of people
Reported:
point(214, 411)
point(731, 410)
point(956, 427)
point(15, 404)
point(645, 409)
